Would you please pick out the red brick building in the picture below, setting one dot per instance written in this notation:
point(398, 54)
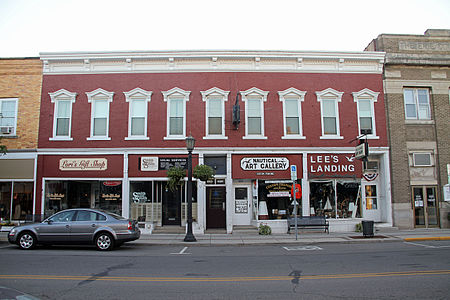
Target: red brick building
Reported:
point(112, 123)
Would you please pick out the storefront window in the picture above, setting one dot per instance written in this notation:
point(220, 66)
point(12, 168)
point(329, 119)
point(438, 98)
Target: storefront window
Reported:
point(22, 200)
point(61, 195)
point(141, 201)
point(323, 196)
point(276, 197)
point(5, 201)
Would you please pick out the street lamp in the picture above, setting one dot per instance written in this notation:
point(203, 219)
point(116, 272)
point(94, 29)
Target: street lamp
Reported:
point(190, 143)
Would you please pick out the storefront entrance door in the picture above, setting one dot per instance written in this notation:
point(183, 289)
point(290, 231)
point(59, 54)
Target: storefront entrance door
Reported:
point(171, 207)
point(242, 205)
point(371, 202)
point(425, 208)
point(216, 207)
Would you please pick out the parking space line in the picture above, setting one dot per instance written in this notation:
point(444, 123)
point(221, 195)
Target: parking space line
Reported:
point(302, 248)
point(426, 246)
point(181, 252)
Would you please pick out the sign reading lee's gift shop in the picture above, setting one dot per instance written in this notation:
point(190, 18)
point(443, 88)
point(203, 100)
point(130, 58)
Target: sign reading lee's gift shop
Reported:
point(83, 164)
point(264, 163)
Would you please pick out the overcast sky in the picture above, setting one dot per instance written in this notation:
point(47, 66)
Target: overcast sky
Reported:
point(28, 27)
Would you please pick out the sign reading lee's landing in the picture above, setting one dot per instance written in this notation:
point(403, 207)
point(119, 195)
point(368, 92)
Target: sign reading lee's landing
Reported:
point(264, 163)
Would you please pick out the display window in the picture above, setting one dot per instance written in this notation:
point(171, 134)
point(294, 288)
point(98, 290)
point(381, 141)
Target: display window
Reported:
point(154, 202)
point(275, 201)
point(335, 199)
point(19, 207)
point(65, 194)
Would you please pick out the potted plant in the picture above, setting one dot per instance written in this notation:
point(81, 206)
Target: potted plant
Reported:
point(264, 229)
point(203, 172)
point(175, 175)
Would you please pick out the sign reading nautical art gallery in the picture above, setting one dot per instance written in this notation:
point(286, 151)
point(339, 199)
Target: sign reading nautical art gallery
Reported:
point(334, 165)
point(83, 164)
point(264, 163)
point(149, 163)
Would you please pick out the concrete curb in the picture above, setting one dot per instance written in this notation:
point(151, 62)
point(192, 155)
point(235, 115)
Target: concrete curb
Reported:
point(432, 238)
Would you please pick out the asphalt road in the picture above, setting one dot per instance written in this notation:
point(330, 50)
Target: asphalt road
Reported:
point(387, 270)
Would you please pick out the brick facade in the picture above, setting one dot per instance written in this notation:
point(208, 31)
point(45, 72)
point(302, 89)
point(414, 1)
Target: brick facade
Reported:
point(417, 61)
point(22, 79)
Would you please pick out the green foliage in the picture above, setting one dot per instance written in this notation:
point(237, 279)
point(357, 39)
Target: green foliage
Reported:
point(175, 175)
point(203, 172)
point(264, 229)
point(358, 227)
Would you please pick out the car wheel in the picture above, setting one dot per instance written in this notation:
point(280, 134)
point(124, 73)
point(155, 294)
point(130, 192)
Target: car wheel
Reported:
point(104, 241)
point(27, 241)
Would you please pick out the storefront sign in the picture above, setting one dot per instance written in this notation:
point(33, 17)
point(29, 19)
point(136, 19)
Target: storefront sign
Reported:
point(149, 163)
point(264, 163)
point(55, 196)
point(139, 197)
point(112, 183)
point(83, 164)
point(334, 165)
point(447, 192)
point(111, 197)
point(165, 163)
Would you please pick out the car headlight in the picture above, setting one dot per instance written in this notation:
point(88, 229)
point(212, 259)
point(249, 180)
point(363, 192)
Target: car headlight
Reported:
point(13, 231)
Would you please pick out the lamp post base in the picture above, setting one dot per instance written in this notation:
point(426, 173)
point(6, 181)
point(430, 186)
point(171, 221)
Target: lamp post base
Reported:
point(189, 237)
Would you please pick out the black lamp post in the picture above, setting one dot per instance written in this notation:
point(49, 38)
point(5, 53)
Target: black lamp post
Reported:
point(190, 143)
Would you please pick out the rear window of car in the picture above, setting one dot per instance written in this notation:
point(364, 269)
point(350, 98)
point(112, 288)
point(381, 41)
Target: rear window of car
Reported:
point(115, 216)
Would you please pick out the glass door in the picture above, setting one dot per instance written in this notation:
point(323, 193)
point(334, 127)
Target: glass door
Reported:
point(425, 206)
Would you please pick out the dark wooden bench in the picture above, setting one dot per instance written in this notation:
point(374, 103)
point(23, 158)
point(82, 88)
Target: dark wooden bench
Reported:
point(308, 222)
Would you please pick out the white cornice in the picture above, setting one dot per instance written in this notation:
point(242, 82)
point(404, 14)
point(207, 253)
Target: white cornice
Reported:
point(211, 61)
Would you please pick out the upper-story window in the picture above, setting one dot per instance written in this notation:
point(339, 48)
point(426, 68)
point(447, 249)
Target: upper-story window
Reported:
point(176, 99)
point(365, 100)
point(215, 112)
point(254, 99)
point(417, 104)
point(138, 100)
point(100, 100)
point(62, 116)
point(329, 110)
point(8, 116)
point(292, 113)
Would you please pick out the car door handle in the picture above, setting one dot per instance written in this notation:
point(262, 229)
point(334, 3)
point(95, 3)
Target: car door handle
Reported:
point(67, 226)
point(93, 225)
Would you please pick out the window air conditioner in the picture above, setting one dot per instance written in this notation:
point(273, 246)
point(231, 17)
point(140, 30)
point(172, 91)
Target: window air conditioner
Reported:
point(6, 130)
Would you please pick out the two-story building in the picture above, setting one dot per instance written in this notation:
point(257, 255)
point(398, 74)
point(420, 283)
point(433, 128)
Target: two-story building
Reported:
point(112, 123)
point(20, 95)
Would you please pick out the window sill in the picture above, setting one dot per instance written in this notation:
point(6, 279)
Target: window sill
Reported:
point(8, 136)
point(293, 137)
point(256, 137)
point(174, 138)
point(370, 137)
point(211, 137)
point(60, 139)
point(331, 137)
point(98, 138)
point(419, 122)
point(134, 138)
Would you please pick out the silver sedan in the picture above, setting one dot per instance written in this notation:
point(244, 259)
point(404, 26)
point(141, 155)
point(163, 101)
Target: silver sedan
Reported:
point(77, 226)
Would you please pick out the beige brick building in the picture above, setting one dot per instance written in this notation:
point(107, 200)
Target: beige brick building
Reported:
point(417, 84)
point(20, 95)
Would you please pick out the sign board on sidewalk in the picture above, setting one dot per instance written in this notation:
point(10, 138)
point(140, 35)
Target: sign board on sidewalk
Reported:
point(293, 172)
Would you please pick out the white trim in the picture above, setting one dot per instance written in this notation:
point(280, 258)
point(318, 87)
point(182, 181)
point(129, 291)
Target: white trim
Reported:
point(178, 93)
point(99, 94)
point(139, 95)
point(216, 60)
point(214, 92)
point(366, 94)
point(336, 96)
point(415, 91)
point(300, 96)
point(56, 97)
point(262, 95)
point(16, 115)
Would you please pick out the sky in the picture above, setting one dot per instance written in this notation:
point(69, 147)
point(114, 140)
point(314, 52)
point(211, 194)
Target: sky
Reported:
point(28, 27)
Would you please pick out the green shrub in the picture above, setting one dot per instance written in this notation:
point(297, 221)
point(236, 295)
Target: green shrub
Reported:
point(264, 229)
point(358, 227)
point(203, 172)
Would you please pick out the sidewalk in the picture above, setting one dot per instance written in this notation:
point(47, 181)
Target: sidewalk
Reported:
point(304, 238)
point(381, 235)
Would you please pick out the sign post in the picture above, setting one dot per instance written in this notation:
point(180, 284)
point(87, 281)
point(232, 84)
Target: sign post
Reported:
point(294, 178)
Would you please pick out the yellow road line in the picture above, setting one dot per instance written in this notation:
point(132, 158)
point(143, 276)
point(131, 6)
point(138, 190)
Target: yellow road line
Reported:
point(224, 279)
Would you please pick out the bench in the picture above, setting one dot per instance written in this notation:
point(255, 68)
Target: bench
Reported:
point(308, 222)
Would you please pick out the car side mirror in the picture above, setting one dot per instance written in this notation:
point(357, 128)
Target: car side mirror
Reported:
point(49, 222)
